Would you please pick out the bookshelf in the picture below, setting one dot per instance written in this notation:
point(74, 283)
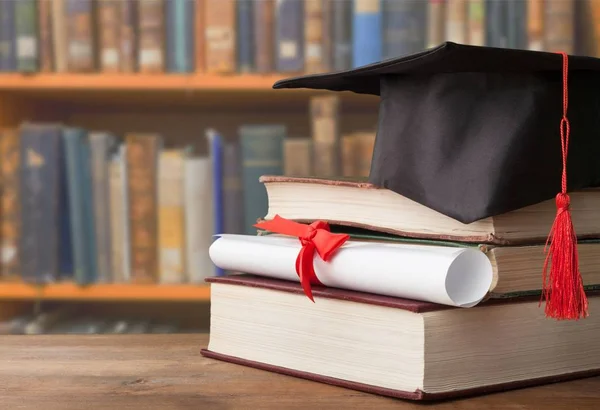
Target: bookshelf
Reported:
point(104, 292)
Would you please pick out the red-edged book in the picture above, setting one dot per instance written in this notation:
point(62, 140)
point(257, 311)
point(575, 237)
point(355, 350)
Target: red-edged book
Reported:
point(395, 347)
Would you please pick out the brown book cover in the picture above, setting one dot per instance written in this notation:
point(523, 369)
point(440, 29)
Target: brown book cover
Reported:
point(80, 36)
point(142, 167)
point(370, 299)
point(364, 145)
point(128, 36)
point(200, 31)
point(10, 206)
point(324, 115)
point(535, 24)
point(559, 20)
point(313, 36)
point(264, 11)
point(220, 36)
point(297, 157)
point(45, 33)
point(109, 30)
point(151, 48)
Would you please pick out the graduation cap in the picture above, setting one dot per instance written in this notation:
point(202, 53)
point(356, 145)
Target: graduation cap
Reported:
point(474, 132)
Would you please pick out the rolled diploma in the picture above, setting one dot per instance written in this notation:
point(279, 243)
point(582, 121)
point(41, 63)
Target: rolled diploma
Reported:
point(445, 275)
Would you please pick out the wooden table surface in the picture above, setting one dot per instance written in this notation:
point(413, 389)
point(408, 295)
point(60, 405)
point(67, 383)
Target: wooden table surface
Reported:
point(167, 372)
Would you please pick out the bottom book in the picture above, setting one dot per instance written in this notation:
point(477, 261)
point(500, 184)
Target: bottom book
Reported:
point(396, 347)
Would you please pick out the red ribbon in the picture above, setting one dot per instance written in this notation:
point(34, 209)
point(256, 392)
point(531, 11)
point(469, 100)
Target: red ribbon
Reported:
point(315, 236)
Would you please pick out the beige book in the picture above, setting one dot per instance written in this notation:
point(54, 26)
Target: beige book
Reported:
point(324, 116)
point(117, 220)
point(59, 35)
point(171, 235)
point(297, 156)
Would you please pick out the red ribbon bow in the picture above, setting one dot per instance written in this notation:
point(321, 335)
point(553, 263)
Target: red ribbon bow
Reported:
point(315, 236)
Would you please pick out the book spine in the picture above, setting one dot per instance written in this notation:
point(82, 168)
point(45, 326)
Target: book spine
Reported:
point(263, 34)
point(198, 218)
point(289, 35)
point(262, 154)
point(40, 197)
point(125, 205)
point(326, 30)
point(496, 24)
point(456, 21)
point(341, 32)
point(436, 22)
point(10, 163)
point(403, 28)
point(297, 157)
point(128, 36)
point(366, 45)
point(559, 19)
point(80, 36)
point(100, 146)
point(179, 27)
point(109, 13)
point(8, 57)
point(233, 210)
point(313, 36)
point(364, 144)
point(220, 36)
point(215, 147)
point(65, 242)
point(476, 25)
point(517, 24)
point(142, 163)
point(245, 36)
point(171, 230)
point(26, 26)
point(348, 154)
point(200, 35)
point(117, 221)
point(45, 35)
point(59, 35)
point(151, 47)
point(535, 24)
point(324, 112)
point(88, 226)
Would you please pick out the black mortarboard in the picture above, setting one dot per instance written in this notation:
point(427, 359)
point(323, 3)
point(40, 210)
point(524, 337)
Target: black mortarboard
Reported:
point(474, 132)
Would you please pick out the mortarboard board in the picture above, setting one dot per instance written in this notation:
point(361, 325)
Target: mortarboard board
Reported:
point(474, 132)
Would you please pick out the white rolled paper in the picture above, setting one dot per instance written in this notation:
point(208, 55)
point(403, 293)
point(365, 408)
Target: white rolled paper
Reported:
point(445, 275)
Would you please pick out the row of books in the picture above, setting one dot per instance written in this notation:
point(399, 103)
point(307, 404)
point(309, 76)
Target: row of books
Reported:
point(229, 36)
point(68, 320)
point(91, 206)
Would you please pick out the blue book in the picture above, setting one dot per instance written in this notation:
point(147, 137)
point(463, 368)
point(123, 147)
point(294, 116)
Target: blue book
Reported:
point(367, 24)
point(289, 35)
point(215, 144)
point(179, 27)
point(77, 153)
point(42, 209)
point(245, 35)
point(8, 56)
point(404, 28)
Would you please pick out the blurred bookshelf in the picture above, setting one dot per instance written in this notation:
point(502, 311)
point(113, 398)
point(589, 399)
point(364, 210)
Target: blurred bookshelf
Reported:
point(179, 94)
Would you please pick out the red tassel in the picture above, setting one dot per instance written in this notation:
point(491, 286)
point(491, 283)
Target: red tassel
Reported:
point(563, 287)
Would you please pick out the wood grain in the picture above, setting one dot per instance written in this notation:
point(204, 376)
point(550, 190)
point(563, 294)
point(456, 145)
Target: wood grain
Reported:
point(167, 372)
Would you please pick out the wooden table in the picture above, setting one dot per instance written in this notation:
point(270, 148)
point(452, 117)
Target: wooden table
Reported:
point(167, 372)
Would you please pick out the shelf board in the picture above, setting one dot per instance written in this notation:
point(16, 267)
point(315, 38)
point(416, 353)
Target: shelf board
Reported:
point(105, 292)
point(138, 82)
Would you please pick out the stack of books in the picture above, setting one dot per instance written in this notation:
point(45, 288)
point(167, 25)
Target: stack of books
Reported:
point(397, 285)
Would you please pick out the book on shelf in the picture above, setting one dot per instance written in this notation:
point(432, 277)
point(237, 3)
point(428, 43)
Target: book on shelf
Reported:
point(247, 36)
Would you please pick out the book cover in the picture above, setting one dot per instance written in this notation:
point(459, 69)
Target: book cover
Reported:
point(289, 35)
point(559, 21)
point(142, 170)
point(220, 36)
point(118, 219)
point(314, 36)
point(109, 30)
point(262, 153)
point(324, 117)
point(245, 36)
point(45, 35)
point(151, 42)
point(8, 57)
point(341, 34)
point(10, 212)
point(200, 35)
point(128, 36)
point(179, 27)
point(367, 23)
point(264, 22)
point(80, 36)
point(404, 27)
point(59, 35)
point(26, 36)
point(215, 149)
point(297, 157)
